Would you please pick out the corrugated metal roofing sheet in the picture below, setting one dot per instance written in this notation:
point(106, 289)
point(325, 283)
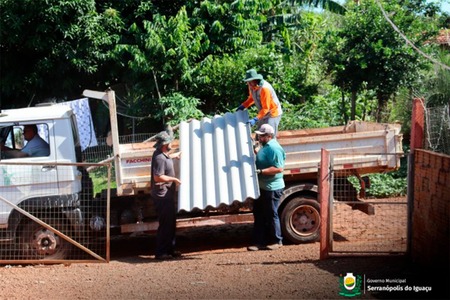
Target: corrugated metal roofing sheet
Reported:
point(217, 165)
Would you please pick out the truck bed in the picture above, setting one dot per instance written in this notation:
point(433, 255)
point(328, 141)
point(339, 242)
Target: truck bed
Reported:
point(363, 146)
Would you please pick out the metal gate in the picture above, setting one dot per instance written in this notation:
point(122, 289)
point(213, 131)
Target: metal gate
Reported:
point(359, 224)
point(49, 213)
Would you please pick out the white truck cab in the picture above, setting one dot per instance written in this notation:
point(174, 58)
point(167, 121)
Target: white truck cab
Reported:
point(34, 183)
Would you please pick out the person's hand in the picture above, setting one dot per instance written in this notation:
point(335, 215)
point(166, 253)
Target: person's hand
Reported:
point(256, 147)
point(176, 155)
point(241, 107)
point(253, 121)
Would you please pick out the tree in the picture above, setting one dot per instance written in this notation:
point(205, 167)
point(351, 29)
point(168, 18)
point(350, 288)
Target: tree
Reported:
point(162, 53)
point(282, 16)
point(276, 37)
point(231, 26)
point(53, 48)
point(368, 51)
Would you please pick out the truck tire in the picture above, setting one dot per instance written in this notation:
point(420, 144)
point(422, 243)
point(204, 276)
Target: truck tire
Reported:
point(300, 220)
point(39, 242)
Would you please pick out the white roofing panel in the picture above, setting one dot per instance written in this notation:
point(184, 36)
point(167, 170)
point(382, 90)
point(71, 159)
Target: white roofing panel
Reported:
point(217, 162)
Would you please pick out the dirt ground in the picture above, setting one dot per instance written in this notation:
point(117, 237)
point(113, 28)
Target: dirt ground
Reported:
point(216, 265)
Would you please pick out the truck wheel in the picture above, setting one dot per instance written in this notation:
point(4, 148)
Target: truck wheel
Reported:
point(38, 242)
point(300, 220)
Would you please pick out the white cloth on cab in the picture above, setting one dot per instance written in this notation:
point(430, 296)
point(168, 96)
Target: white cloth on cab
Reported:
point(82, 111)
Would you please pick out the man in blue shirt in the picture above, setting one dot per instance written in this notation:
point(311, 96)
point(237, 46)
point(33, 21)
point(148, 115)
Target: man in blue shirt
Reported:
point(270, 161)
point(35, 146)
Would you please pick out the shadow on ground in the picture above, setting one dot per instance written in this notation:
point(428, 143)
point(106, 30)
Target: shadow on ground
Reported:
point(395, 272)
point(209, 238)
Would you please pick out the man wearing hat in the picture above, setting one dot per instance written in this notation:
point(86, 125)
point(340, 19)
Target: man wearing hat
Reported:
point(269, 166)
point(262, 94)
point(163, 184)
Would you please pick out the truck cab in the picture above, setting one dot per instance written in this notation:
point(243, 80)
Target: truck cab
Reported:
point(46, 186)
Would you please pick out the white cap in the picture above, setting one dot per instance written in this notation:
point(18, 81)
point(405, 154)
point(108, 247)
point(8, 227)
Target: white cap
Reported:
point(265, 129)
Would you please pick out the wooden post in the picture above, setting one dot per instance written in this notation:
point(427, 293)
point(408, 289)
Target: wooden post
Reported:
point(324, 197)
point(417, 124)
point(416, 142)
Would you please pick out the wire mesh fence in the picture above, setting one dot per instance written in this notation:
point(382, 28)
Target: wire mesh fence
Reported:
point(103, 152)
point(383, 231)
point(437, 132)
point(48, 214)
point(362, 225)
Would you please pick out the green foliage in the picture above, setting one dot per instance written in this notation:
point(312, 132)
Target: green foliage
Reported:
point(219, 80)
point(231, 26)
point(313, 114)
point(400, 109)
point(165, 47)
point(99, 179)
point(367, 50)
point(176, 108)
point(437, 83)
point(295, 75)
point(382, 185)
point(433, 86)
point(51, 48)
point(326, 109)
point(386, 185)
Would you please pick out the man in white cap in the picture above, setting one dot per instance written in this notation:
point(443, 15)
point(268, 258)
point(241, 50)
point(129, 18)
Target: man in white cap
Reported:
point(262, 94)
point(163, 184)
point(270, 161)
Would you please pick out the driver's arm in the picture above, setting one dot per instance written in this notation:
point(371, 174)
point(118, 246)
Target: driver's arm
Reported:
point(11, 153)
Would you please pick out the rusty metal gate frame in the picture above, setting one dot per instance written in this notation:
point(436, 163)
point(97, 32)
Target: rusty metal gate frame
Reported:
point(330, 198)
point(98, 258)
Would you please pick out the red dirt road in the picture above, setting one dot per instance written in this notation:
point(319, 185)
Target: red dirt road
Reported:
point(216, 265)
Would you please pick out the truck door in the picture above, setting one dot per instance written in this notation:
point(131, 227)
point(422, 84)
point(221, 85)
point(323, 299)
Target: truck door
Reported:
point(21, 176)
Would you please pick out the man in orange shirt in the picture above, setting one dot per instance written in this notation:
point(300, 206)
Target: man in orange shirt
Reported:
point(262, 94)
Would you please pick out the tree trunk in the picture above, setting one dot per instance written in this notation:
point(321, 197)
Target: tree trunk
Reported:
point(343, 109)
point(353, 108)
point(382, 100)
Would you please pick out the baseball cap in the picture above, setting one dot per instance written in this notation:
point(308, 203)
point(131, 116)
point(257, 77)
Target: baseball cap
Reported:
point(265, 129)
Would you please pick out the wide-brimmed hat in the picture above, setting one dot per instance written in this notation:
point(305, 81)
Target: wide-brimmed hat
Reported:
point(252, 75)
point(265, 129)
point(162, 138)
